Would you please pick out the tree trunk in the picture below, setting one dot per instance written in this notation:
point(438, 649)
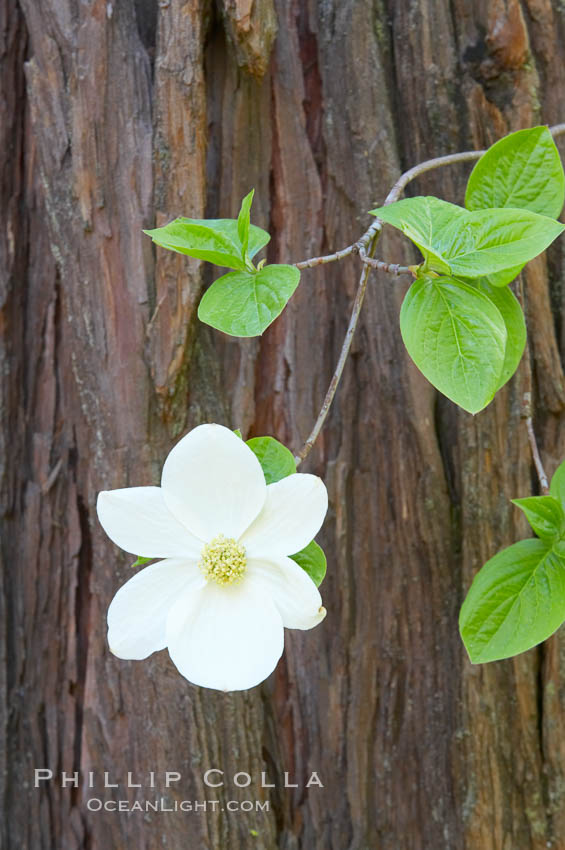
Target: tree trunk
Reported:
point(119, 115)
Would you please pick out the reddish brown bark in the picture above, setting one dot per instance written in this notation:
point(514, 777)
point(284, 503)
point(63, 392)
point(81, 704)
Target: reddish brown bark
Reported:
point(114, 116)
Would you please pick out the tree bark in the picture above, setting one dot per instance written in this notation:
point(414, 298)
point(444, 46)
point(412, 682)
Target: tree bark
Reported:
point(119, 116)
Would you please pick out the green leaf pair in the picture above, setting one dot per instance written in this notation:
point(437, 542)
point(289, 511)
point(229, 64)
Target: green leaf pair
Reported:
point(461, 326)
point(517, 599)
point(245, 301)
point(456, 241)
point(220, 241)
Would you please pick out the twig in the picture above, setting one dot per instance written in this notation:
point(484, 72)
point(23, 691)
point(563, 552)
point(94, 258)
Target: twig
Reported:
point(527, 404)
point(391, 268)
point(329, 258)
point(544, 484)
point(52, 477)
point(357, 304)
point(357, 248)
point(155, 314)
point(428, 165)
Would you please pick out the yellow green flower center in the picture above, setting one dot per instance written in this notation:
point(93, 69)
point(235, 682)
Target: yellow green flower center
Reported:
point(223, 560)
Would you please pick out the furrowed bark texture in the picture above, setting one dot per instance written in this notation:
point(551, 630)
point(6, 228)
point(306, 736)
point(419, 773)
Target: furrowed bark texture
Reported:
point(116, 116)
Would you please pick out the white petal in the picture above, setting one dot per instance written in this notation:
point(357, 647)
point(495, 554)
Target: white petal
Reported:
point(138, 520)
point(293, 513)
point(228, 638)
point(291, 589)
point(213, 482)
point(137, 615)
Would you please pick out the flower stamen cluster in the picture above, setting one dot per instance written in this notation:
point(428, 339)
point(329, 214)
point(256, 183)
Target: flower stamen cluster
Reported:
point(223, 560)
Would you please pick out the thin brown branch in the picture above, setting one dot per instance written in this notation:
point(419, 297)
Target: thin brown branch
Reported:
point(391, 268)
point(357, 305)
point(428, 165)
point(356, 248)
point(328, 258)
point(527, 402)
point(155, 314)
point(544, 484)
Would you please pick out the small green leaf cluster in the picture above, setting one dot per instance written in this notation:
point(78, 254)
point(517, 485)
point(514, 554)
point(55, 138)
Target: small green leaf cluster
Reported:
point(517, 598)
point(242, 302)
point(461, 325)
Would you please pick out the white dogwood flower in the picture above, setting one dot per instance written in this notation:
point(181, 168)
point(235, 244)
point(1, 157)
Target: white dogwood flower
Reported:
point(226, 587)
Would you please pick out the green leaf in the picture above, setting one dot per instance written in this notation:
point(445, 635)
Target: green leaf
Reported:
point(545, 515)
point(522, 170)
point(456, 336)
point(513, 317)
point(504, 277)
point(425, 221)
point(141, 561)
point(204, 240)
point(243, 223)
point(557, 486)
point(470, 244)
point(237, 433)
point(258, 238)
point(516, 601)
point(313, 561)
point(214, 240)
point(276, 460)
point(245, 303)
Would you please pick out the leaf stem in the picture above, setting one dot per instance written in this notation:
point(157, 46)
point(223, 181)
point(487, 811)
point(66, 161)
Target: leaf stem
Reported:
point(357, 305)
